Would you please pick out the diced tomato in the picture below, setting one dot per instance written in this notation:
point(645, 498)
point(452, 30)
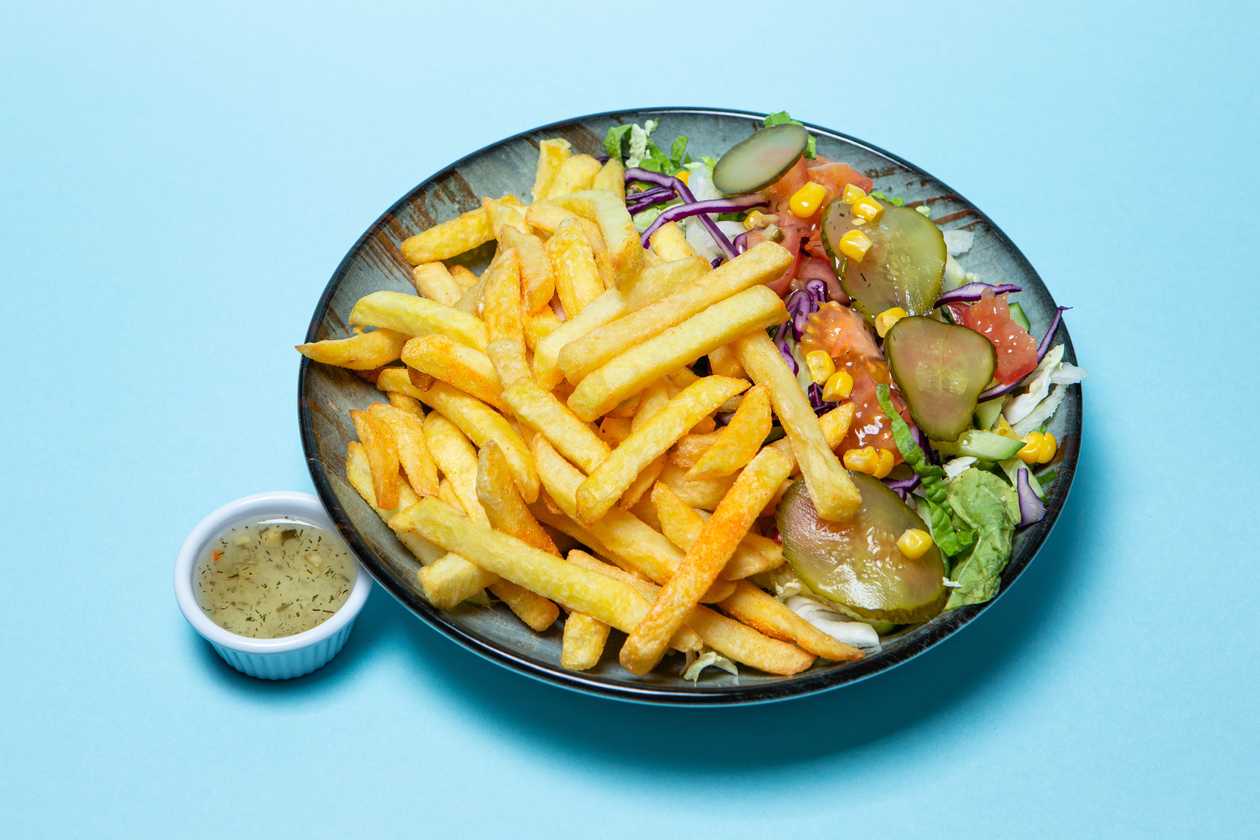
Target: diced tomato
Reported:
point(843, 333)
point(834, 175)
point(792, 180)
point(1016, 350)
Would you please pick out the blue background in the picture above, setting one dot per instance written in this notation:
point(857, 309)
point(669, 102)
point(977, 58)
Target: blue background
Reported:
point(179, 181)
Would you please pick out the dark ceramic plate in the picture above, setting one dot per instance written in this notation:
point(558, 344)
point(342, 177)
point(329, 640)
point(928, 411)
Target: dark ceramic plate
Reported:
point(325, 395)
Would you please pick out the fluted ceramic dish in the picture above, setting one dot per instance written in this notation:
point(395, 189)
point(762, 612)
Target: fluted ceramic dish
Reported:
point(326, 395)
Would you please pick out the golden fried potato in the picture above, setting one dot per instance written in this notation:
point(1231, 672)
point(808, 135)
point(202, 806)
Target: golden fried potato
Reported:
point(741, 438)
point(382, 451)
point(449, 239)
point(417, 316)
point(365, 351)
point(573, 267)
point(551, 156)
point(455, 364)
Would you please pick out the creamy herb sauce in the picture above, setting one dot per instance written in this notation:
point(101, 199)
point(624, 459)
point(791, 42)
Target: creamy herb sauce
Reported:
point(273, 578)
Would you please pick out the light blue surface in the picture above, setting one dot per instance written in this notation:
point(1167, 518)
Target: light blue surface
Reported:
point(178, 183)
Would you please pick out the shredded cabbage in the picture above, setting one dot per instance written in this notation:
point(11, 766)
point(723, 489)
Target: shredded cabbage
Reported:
point(835, 624)
point(708, 659)
point(957, 466)
point(1038, 387)
point(1042, 413)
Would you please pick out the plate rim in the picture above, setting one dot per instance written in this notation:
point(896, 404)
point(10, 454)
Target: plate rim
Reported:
point(800, 685)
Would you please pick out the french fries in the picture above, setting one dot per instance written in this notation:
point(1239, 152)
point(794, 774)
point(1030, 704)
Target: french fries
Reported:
point(407, 431)
point(752, 268)
point(573, 267)
point(741, 438)
point(730, 638)
point(481, 423)
point(833, 492)
point(750, 311)
point(617, 472)
point(620, 236)
point(541, 411)
point(581, 590)
point(449, 239)
point(456, 364)
point(551, 156)
point(417, 316)
point(365, 351)
point(705, 560)
point(543, 422)
point(682, 525)
point(382, 452)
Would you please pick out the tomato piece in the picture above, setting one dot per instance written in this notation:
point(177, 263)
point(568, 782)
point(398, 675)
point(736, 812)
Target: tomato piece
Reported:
point(1016, 349)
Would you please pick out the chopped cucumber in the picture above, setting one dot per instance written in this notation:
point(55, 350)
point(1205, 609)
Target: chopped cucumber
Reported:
point(1018, 316)
point(987, 413)
point(987, 446)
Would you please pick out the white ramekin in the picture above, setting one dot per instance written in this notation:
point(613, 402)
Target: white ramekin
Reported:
point(268, 659)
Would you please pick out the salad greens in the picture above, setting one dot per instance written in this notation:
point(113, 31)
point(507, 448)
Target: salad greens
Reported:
point(634, 146)
point(988, 505)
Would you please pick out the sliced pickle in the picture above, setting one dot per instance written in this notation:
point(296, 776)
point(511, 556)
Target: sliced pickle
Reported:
point(760, 160)
point(904, 266)
point(941, 370)
point(856, 563)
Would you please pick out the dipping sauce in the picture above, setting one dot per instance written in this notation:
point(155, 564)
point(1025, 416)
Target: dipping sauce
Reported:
point(272, 578)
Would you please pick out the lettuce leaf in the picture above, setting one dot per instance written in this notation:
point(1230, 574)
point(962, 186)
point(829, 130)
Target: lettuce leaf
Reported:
point(784, 118)
point(633, 145)
point(988, 505)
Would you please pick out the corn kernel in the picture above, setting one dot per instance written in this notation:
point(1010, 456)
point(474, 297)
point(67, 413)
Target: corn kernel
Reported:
point(855, 244)
point(684, 175)
point(884, 321)
point(839, 386)
point(820, 365)
point(885, 465)
point(852, 193)
point(862, 460)
point(756, 219)
point(806, 201)
point(868, 208)
point(914, 543)
point(1039, 448)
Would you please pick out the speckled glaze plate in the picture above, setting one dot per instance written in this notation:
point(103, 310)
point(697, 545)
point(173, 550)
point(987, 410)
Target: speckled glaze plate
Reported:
point(326, 395)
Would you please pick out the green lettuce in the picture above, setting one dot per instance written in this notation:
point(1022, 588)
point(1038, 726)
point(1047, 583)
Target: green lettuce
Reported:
point(633, 145)
point(784, 118)
point(988, 505)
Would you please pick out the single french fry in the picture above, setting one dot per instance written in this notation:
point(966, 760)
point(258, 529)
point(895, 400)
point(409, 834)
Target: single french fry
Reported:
point(701, 493)
point(504, 215)
point(446, 492)
point(682, 524)
point(659, 281)
point(603, 259)
point(619, 233)
point(613, 430)
point(413, 452)
point(622, 536)
point(449, 239)
point(653, 439)
point(456, 364)
point(651, 401)
point(541, 411)
point(833, 492)
point(690, 447)
point(417, 316)
point(397, 380)
point(758, 610)
point(434, 281)
point(359, 474)
point(365, 351)
point(552, 154)
point(728, 637)
point(576, 174)
point(505, 319)
point(670, 243)
point(582, 644)
point(705, 560)
point(682, 377)
point(642, 484)
point(611, 179)
point(545, 217)
point(539, 325)
point(600, 311)
point(627, 409)
point(411, 405)
point(452, 579)
point(457, 459)
point(462, 275)
point(506, 510)
point(750, 311)
point(834, 424)
point(574, 269)
point(382, 451)
point(481, 423)
point(508, 358)
point(537, 282)
point(581, 590)
point(737, 442)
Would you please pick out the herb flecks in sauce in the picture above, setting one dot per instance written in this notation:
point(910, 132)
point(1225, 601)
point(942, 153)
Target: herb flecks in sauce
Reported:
point(273, 578)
